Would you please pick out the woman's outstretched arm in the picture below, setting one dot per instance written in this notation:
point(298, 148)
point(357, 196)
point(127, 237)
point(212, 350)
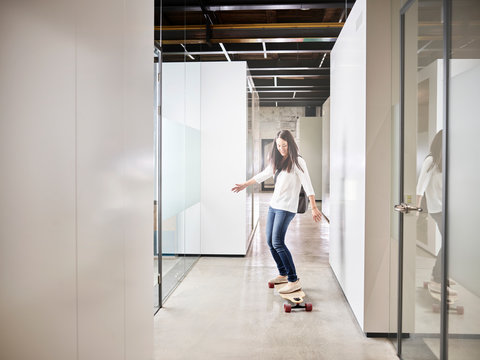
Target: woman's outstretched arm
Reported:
point(239, 187)
point(264, 175)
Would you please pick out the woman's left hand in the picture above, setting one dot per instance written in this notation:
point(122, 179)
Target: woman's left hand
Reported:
point(316, 214)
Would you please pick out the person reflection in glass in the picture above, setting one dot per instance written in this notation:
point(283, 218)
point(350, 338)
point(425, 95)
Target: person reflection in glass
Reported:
point(430, 184)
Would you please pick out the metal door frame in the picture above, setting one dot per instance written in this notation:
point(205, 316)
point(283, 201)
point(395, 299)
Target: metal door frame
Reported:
point(447, 15)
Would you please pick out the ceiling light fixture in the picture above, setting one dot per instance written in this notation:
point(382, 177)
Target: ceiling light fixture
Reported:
point(186, 52)
point(264, 50)
point(323, 59)
point(225, 52)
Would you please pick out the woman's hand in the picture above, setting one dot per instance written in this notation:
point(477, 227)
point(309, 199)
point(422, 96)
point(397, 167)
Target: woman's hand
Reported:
point(316, 214)
point(239, 187)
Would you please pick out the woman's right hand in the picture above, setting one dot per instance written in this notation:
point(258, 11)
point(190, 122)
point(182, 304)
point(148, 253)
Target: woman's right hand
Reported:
point(239, 187)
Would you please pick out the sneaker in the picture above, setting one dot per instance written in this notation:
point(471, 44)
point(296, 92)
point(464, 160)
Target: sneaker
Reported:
point(436, 287)
point(278, 280)
point(451, 282)
point(290, 287)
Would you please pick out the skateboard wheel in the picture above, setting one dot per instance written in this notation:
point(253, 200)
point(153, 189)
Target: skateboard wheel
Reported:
point(308, 307)
point(271, 285)
point(460, 310)
point(436, 308)
point(287, 307)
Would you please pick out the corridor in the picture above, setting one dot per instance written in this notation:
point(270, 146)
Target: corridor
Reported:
point(224, 309)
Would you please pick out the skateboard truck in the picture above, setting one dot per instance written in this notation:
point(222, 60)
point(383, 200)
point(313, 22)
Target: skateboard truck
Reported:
point(295, 298)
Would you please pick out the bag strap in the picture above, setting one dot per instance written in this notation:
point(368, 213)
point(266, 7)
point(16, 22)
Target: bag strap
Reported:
point(275, 176)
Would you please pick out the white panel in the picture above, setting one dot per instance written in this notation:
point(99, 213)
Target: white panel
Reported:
point(326, 158)
point(464, 174)
point(137, 176)
point(378, 207)
point(309, 135)
point(101, 265)
point(114, 177)
point(37, 181)
point(347, 177)
point(192, 95)
point(76, 149)
point(189, 226)
point(224, 139)
point(173, 93)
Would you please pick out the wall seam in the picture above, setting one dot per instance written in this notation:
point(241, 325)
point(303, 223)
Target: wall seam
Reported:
point(75, 204)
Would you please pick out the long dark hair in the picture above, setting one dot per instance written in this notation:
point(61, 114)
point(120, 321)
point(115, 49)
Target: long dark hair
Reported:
point(436, 151)
point(276, 159)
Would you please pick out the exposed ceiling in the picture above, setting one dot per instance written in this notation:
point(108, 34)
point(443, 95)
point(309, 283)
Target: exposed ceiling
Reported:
point(286, 45)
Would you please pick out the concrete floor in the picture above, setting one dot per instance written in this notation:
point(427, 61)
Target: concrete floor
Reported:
point(224, 309)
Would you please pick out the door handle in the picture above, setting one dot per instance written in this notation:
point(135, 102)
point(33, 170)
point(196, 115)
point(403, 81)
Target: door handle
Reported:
point(405, 208)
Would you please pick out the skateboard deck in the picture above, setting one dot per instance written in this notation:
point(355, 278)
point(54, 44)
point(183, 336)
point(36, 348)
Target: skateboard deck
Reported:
point(296, 298)
point(437, 296)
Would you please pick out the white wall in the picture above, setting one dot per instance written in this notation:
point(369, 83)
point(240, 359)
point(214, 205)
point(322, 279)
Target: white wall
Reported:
point(76, 140)
point(224, 152)
point(347, 158)
point(309, 139)
point(210, 98)
point(377, 166)
point(360, 162)
point(326, 158)
point(464, 174)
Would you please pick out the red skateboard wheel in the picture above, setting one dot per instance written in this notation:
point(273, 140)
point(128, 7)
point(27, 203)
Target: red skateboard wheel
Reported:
point(271, 285)
point(308, 307)
point(287, 307)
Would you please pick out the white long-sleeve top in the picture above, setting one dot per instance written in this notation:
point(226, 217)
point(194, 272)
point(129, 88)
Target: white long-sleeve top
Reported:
point(430, 183)
point(287, 186)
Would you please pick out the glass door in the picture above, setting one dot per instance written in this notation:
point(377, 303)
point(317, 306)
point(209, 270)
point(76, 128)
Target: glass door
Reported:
point(420, 179)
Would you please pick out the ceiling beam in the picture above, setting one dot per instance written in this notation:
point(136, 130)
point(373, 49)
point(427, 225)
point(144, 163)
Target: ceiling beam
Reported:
point(245, 52)
point(287, 68)
point(250, 40)
point(256, 7)
point(252, 26)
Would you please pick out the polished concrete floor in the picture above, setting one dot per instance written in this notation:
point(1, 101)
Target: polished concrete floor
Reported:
point(224, 309)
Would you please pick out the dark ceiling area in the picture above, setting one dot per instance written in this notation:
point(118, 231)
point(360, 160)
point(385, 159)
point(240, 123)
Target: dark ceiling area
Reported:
point(286, 45)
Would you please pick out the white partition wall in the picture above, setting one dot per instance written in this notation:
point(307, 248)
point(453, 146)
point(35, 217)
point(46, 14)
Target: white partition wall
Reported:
point(224, 152)
point(76, 145)
point(216, 108)
point(360, 162)
point(309, 138)
point(326, 158)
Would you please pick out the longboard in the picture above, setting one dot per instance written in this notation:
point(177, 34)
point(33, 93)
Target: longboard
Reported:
point(437, 296)
point(295, 298)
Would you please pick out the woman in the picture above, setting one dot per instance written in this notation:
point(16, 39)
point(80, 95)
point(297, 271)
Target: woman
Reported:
point(290, 172)
point(430, 183)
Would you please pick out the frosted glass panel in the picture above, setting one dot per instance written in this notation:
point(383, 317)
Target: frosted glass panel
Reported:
point(193, 166)
point(173, 168)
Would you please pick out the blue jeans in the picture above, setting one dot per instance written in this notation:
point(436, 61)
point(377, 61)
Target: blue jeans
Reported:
point(277, 224)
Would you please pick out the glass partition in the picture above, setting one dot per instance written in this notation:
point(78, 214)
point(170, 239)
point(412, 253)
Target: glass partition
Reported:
point(463, 247)
point(434, 146)
point(177, 245)
point(418, 180)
